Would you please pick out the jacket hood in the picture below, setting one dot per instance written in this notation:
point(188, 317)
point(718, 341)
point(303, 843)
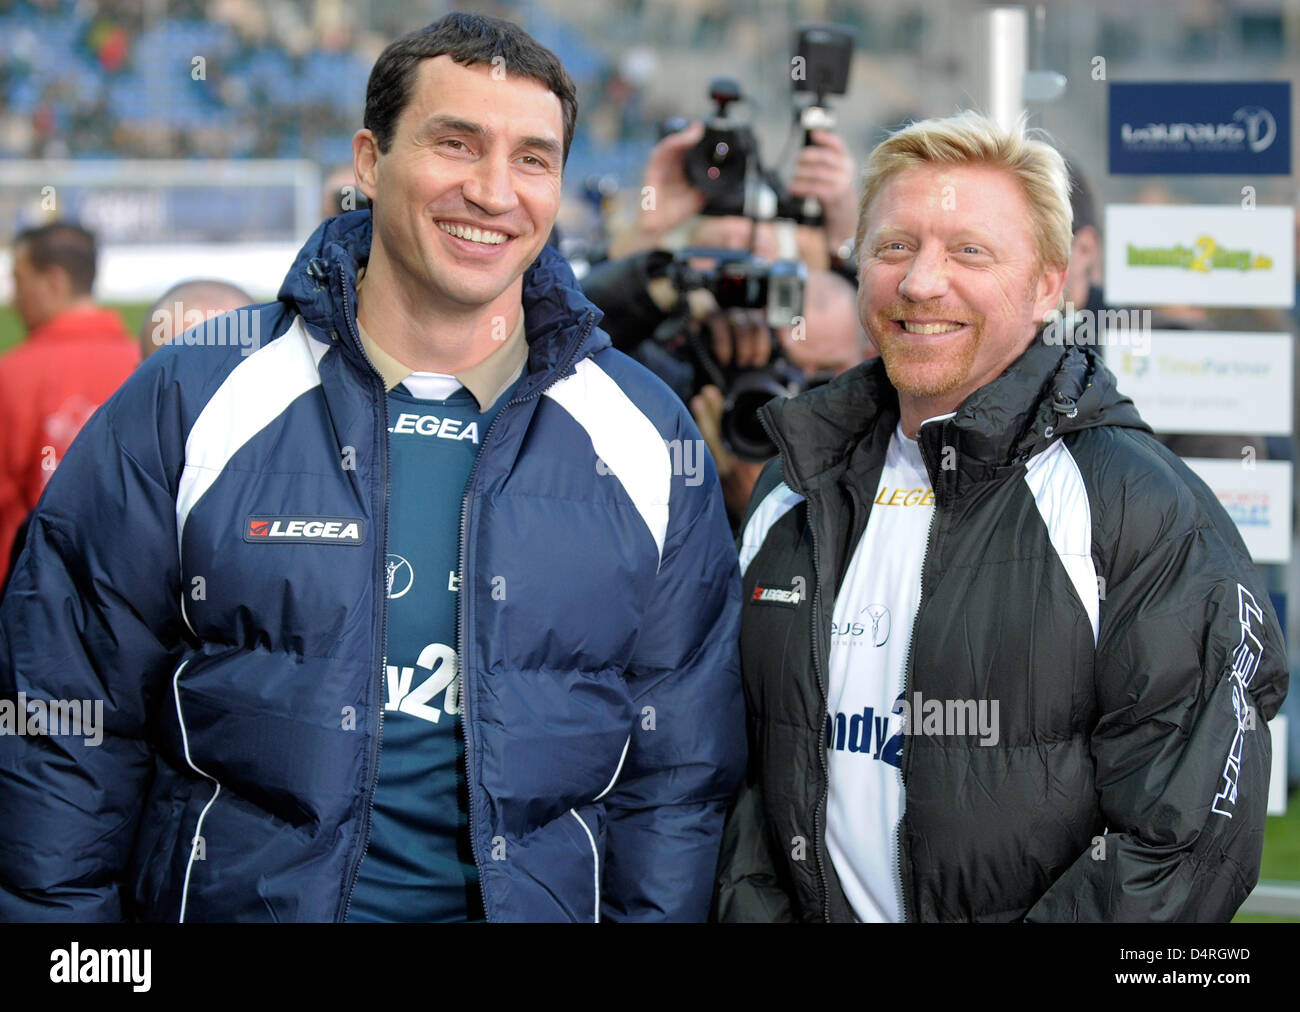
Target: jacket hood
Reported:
point(1049, 392)
point(322, 286)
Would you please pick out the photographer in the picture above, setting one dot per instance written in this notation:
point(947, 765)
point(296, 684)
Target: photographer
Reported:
point(830, 341)
point(651, 319)
point(824, 170)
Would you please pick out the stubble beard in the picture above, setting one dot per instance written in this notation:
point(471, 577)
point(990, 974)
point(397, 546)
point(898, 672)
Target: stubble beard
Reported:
point(920, 372)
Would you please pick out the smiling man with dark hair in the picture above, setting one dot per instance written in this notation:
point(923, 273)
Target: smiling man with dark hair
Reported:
point(469, 40)
point(409, 615)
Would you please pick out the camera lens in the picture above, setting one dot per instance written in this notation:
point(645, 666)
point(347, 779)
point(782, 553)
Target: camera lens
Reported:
point(741, 429)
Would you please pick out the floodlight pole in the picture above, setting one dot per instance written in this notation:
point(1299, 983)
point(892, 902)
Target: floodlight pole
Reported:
point(1002, 48)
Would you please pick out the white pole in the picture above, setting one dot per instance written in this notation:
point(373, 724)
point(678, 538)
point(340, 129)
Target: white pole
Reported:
point(1002, 46)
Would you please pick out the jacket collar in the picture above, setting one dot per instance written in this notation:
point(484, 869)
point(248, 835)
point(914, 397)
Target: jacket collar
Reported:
point(1046, 393)
point(322, 287)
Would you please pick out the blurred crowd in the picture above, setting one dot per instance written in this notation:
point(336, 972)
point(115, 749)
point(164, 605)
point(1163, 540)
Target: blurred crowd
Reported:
point(215, 78)
point(232, 78)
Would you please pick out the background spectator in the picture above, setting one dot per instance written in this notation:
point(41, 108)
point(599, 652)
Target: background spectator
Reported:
point(75, 356)
point(187, 301)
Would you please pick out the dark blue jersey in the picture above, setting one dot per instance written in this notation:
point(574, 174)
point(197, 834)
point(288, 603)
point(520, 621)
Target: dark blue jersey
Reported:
point(418, 865)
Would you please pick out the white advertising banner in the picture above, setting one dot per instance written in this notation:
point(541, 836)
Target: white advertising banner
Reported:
point(1217, 382)
point(1257, 495)
point(1199, 255)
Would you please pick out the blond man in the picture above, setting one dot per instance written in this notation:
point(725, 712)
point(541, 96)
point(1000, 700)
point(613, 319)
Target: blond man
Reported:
point(1005, 656)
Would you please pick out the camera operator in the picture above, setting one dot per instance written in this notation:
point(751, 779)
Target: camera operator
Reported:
point(830, 341)
point(824, 170)
point(720, 320)
point(640, 300)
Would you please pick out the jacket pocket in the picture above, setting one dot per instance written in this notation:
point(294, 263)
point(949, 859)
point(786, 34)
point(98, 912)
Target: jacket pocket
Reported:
point(164, 843)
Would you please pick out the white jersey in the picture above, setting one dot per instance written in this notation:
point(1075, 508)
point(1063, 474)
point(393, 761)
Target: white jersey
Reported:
point(870, 633)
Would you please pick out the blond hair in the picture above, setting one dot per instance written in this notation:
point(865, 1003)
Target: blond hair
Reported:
point(970, 138)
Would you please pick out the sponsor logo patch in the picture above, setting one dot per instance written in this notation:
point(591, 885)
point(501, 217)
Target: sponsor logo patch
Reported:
point(788, 597)
point(308, 530)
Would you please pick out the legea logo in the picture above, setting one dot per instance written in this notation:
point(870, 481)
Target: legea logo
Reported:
point(309, 530)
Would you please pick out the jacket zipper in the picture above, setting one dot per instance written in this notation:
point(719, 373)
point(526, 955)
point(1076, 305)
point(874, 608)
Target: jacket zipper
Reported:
point(462, 620)
point(383, 624)
point(818, 611)
point(907, 690)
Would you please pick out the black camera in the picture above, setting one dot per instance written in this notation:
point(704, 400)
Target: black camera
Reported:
point(736, 280)
point(823, 55)
point(820, 67)
point(725, 166)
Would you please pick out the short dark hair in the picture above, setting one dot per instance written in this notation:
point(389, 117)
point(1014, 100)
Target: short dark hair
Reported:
point(62, 244)
point(468, 39)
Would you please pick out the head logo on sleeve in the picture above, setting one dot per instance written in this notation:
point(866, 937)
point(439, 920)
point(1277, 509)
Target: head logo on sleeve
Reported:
point(308, 530)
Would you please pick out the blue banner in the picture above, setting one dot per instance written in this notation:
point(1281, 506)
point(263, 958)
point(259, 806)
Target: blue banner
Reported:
point(1228, 128)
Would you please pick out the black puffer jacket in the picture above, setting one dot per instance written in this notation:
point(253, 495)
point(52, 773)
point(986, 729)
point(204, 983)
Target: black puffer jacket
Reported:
point(1076, 572)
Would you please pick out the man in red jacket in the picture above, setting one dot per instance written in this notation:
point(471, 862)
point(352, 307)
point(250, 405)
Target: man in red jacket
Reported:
point(75, 356)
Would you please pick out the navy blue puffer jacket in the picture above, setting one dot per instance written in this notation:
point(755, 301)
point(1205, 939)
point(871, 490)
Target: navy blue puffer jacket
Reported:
point(241, 679)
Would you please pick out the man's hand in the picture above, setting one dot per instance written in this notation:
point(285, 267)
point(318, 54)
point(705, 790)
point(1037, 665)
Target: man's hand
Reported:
point(667, 199)
point(826, 170)
point(737, 476)
point(742, 335)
